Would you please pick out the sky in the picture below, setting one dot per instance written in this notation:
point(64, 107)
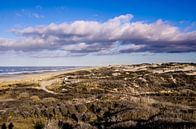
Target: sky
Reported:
point(96, 32)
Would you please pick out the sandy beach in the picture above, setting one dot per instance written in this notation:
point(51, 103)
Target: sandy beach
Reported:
point(35, 77)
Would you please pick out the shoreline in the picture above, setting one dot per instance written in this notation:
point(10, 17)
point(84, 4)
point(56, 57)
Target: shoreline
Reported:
point(37, 76)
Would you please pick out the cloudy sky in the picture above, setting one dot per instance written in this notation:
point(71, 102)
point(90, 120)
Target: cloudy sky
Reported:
point(96, 32)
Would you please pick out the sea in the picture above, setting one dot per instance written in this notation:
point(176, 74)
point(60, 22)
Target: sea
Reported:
point(14, 70)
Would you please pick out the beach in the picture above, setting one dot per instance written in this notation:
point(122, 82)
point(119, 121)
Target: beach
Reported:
point(36, 77)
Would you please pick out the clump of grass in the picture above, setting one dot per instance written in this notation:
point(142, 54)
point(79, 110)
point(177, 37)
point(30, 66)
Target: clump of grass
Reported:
point(23, 95)
point(48, 100)
point(35, 99)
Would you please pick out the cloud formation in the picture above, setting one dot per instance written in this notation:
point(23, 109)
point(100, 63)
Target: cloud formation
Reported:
point(117, 35)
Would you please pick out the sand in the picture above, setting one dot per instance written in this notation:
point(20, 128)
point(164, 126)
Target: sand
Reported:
point(36, 77)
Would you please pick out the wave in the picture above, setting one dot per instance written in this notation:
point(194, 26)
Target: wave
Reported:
point(29, 70)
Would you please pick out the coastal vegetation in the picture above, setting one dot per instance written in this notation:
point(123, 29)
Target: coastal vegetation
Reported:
point(150, 96)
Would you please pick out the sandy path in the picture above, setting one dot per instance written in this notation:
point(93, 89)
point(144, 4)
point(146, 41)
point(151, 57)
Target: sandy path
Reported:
point(44, 84)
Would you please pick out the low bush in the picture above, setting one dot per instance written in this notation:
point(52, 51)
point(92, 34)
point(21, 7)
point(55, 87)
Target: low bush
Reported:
point(23, 95)
point(39, 125)
point(35, 99)
point(48, 100)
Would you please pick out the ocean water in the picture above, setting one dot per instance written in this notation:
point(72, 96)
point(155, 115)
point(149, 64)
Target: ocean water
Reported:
point(12, 70)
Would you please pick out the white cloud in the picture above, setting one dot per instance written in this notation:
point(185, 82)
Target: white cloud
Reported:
point(76, 47)
point(116, 35)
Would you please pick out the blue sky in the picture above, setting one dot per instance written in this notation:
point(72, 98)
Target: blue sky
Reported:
point(96, 32)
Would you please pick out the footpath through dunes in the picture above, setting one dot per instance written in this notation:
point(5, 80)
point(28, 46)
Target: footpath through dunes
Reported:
point(152, 96)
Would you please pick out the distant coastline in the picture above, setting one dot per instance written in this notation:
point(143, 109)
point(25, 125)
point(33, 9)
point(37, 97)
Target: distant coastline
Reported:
point(21, 70)
point(38, 75)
